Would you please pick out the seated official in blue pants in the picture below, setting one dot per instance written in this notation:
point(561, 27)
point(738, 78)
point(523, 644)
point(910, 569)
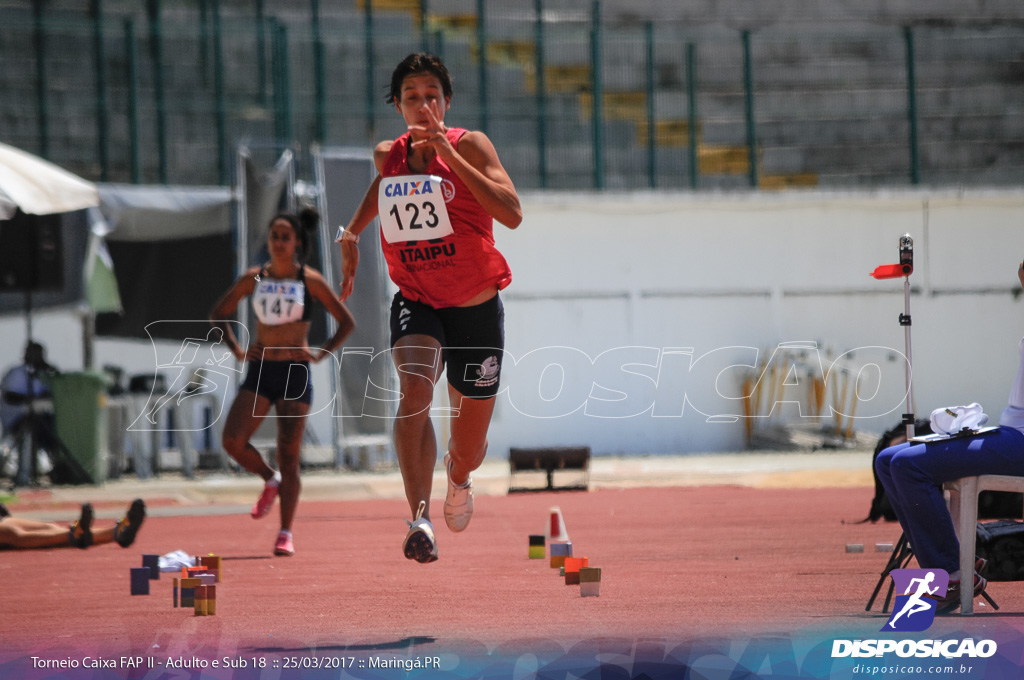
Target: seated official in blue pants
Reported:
point(913, 474)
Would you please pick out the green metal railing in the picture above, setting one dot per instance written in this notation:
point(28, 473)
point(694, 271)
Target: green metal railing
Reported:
point(130, 50)
point(570, 100)
point(102, 106)
point(915, 159)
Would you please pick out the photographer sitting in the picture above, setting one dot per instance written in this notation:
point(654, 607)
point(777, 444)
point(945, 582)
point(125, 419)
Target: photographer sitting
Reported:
point(913, 474)
point(20, 387)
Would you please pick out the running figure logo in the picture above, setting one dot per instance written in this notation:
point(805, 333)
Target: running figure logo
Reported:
point(914, 610)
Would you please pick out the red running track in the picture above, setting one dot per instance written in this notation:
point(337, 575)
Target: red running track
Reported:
point(677, 563)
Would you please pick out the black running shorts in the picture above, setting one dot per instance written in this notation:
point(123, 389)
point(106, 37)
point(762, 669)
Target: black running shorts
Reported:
point(288, 380)
point(472, 340)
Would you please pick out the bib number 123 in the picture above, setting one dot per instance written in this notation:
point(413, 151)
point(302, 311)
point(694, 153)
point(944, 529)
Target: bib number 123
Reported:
point(412, 208)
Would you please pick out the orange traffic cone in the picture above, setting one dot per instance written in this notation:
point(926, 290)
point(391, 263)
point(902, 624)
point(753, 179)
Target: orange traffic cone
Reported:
point(556, 527)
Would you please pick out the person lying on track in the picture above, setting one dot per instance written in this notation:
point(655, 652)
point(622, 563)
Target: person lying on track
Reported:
point(19, 533)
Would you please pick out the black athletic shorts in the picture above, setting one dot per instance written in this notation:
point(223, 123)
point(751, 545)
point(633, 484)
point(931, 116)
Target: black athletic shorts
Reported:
point(472, 338)
point(288, 380)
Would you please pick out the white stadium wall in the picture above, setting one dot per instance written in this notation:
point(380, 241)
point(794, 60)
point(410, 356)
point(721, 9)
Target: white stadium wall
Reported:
point(596, 273)
point(615, 296)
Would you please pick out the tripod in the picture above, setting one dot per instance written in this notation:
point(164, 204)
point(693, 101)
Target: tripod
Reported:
point(31, 426)
point(900, 558)
point(903, 551)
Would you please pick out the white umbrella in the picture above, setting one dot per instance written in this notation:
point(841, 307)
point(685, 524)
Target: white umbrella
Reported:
point(39, 187)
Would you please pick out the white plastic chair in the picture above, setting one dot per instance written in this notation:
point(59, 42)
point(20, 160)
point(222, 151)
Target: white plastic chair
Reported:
point(963, 507)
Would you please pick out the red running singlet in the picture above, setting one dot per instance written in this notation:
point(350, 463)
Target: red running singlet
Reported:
point(445, 272)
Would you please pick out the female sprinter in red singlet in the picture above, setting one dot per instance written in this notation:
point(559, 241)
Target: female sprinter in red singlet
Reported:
point(438, 191)
point(278, 373)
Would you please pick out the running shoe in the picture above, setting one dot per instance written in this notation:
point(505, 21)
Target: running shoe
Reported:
point(950, 602)
point(458, 504)
point(128, 526)
point(419, 543)
point(266, 501)
point(284, 546)
point(81, 530)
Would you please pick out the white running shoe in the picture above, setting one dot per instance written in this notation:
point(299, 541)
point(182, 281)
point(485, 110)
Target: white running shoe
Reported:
point(458, 504)
point(419, 543)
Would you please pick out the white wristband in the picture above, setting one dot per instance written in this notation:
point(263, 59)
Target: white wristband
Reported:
point(344, 235)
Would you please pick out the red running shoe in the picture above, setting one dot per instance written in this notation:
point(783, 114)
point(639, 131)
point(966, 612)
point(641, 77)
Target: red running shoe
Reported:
point(284, 546)
point(265, 502)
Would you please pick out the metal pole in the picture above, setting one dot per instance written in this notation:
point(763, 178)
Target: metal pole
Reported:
point(691, 105)
point(481, 45)
point(371, 99)
point(218, 94)
point(275, 76)
point(595, 61)
point(133, 98)
point(204, 42)
point(439, 44)
point(102, 123)
point(157, 56)
point(915, 160)
point(321, 73)
point(908, 418)
point(542, 126)
point(282, 104)
point(317, 158)
point(261, 48)
point(40, 49)
point(748, 87)
point(424, 38)
point(242, 203)
point(652, 157)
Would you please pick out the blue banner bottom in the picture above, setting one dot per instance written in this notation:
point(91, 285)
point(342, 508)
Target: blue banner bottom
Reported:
point(812, 654)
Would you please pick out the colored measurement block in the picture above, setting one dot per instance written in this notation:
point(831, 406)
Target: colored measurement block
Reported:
point(140, 580)
point(188, 591)
point(536, 546)
point(153, 563)
point(572, 570)
point(211, 600)
point(207, 578)
point(558, 553)
point(212, 564)
point(199, 603)
point(175, 591)
point(590, 581)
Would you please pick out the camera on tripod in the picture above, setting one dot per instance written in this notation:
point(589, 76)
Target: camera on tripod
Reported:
point(906, 254)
